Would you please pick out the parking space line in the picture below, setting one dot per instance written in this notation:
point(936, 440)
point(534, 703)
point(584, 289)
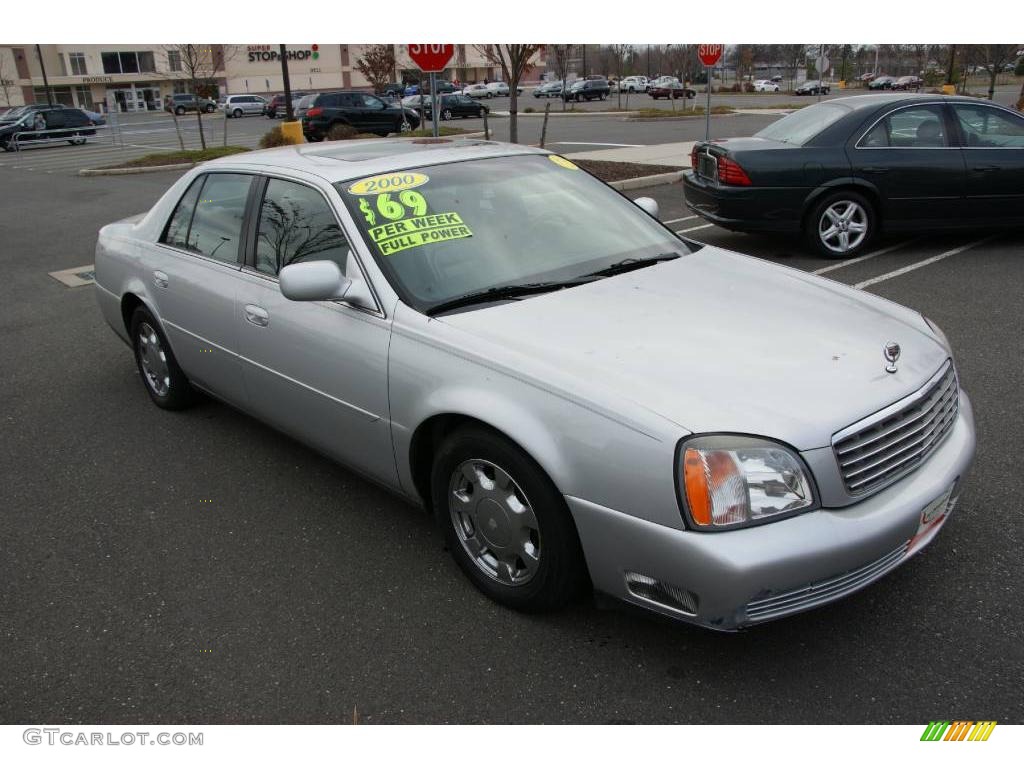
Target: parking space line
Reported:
point(676, 221)
point(865, 257)
point(693, 229)
point(922, 263)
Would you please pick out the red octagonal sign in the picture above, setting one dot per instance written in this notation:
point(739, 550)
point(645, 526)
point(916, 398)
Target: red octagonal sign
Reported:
point(709, 54)
point(431, 58)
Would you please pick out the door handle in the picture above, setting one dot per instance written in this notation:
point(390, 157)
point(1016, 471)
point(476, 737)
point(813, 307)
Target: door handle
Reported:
point(257, 315)
point(874, 169)
point(160, 279)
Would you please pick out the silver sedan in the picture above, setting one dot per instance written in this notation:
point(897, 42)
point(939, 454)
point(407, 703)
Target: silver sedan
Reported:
point(582, 399)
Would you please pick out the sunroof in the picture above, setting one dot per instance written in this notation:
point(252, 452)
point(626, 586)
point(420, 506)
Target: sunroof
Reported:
point(371, 150)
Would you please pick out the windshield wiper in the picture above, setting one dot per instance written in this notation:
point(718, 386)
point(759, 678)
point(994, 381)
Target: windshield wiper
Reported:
point(503, 292)
point(628, 265)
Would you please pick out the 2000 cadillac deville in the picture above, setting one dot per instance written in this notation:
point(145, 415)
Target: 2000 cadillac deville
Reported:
point(710, 436)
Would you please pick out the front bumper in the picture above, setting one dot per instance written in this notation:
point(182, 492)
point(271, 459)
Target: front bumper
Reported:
point(737, 578)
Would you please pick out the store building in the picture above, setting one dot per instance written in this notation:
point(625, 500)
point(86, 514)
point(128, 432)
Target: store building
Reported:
point(138, 78)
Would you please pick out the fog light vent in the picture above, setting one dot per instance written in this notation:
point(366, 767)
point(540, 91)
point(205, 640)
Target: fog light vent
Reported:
point(658, 592)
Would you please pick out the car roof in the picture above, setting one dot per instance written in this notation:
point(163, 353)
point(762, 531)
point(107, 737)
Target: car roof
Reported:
point(867, 101)
point(343, 160)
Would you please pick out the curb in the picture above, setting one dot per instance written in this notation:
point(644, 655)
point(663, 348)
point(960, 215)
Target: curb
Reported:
point(674, 119)
point(655, 180)
point(131, 171)
point(552, 113)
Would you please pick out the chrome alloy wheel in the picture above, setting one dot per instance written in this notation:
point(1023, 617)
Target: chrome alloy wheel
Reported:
point(153, 360)
point(495, 522)
point(843, 226)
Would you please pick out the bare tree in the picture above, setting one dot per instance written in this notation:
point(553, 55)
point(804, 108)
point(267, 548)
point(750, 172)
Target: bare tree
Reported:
point(514, 59)
point(562, 55)
point(377, 64)
point(992, 59)
point(621, 52)
point(200, 64)
point(6, 80)
point(792, 55)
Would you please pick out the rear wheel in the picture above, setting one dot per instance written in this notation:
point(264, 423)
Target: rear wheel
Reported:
point(841, 225)
point(165, 382)
point(179, 110)
point(446, 114)
point(77, 142)
point(506, 524)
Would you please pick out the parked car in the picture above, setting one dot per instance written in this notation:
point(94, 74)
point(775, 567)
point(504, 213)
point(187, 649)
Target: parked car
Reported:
point(497, 88)
point(587, 90)
point(363, 111)
point(180, 103)
point(394, 89)
point(243, 104)
point(487, 368)
point(44, 123)
point(548, 90)
point(444, 86)
point(412, 89)
point(878, 161)
point(867, 77)
point(882, 83)
point(455, 105)
point(477, 91)
point(812, 88)
point(671, 89)
point(908, 83)
point(765, 86)
point(633, 84)
point(303, 103)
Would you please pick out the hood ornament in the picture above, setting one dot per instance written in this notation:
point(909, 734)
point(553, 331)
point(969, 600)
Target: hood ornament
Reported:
point(891, 351)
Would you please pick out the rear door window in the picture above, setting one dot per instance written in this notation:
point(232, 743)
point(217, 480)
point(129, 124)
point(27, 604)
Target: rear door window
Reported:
point(217, 222)
point(914, 127)
point(987, 127)
point(176, 231)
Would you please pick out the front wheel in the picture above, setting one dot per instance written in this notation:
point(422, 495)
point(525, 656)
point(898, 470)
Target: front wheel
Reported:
point(236, 114)
point(505, 522)
point(446, 114)
point(77, 142)
point(164, 380)
point(179, 110)
point(209, 108)
point(841, 225)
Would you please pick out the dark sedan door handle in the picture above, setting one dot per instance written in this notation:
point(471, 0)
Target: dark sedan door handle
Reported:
point(985, 168)
point(874, 169)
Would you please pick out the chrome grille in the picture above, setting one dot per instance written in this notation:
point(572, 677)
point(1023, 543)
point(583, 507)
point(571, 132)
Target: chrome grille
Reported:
point(876, 451)
point(791, 601)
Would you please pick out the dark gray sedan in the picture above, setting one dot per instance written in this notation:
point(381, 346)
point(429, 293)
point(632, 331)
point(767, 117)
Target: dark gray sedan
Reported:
point(840, 171)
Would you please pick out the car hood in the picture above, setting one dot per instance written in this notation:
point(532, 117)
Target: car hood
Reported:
point(717, 342)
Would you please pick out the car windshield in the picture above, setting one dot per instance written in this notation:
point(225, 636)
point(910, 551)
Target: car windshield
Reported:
point(445, 231)
point(803, 125)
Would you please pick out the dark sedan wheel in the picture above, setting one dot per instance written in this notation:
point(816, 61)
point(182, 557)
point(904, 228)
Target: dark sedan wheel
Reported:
point(841, 225)
point(506, 524)
point(446, 114)
point(209, 108)
point(179, 110)
point(165, 382)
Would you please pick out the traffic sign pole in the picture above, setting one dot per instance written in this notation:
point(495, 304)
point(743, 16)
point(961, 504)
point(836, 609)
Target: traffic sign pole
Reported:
point(434, 106)
point(707, 111)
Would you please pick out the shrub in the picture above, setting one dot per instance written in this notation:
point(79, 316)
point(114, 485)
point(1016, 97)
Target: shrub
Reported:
point(341, 132)
point(274, 138)
point(529, 109)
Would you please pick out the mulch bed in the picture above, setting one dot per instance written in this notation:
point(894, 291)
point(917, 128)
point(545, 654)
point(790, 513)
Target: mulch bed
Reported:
point(607, 170)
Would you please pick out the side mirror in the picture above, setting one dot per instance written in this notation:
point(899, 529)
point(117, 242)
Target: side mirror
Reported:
point(313, 281)
point(648, 204)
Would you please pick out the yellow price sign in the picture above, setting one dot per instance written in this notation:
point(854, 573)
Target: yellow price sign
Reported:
point(559, 160)
point(388, 182)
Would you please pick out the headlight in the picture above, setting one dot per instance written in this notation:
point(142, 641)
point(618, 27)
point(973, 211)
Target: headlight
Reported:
point(730, 481)
point(938, 332)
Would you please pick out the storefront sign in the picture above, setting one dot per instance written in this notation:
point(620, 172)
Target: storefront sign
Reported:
point(271, 53)
point(97, 79)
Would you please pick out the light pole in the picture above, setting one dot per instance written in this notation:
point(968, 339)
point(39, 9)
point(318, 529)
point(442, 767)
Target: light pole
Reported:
point(46, 82)
point(289, 114)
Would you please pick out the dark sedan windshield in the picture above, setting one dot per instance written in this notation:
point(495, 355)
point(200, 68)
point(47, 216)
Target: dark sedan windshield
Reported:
point(448, 230)
point(803, 125)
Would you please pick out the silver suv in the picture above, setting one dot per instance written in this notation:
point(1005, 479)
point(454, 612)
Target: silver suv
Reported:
point(244, 104)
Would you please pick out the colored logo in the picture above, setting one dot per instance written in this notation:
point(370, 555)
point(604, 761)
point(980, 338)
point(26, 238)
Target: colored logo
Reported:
point(958, 730)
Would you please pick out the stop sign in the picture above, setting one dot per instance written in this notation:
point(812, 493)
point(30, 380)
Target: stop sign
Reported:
point(431, 58)
point(709, 54)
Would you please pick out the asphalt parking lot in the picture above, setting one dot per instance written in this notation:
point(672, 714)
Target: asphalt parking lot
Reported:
point(201, 567)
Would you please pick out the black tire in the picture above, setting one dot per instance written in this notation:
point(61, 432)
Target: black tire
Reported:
point(813, 221)
point(236, 114)
point(446, 114)
point(179, 110)
point(179, 392)
point(561, 573)
point(209, 108)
